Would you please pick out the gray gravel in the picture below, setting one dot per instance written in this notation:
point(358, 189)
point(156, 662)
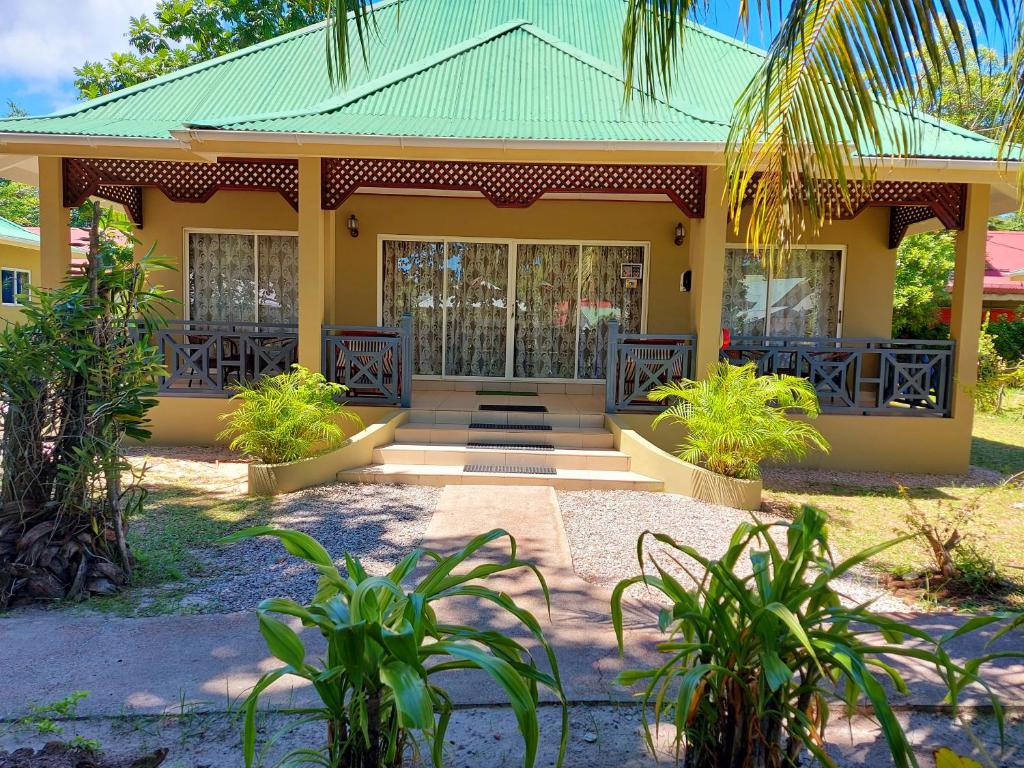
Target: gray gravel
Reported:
point(603, 527)
point(377, 523)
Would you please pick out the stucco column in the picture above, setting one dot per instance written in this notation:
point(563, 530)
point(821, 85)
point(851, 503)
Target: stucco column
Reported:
point(54, 236)
point(707, 256)
point(965, 318)
point(312, 271)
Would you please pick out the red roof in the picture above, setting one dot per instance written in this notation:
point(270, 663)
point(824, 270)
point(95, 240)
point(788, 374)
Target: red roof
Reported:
point(1004, 254)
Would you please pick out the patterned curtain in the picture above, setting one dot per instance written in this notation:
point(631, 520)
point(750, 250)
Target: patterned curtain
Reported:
point(745, 293)
point(413, 277)
point(805, 294)
point(221, 277)
point(546, 311)
point(604, 297)
point(278, 279)
point(477, 309)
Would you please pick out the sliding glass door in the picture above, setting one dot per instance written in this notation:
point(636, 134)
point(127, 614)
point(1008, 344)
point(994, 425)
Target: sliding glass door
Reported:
point(504, 309)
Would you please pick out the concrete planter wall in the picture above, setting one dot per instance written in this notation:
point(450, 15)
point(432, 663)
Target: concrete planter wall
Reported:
point(357, 451)
point(679, 476)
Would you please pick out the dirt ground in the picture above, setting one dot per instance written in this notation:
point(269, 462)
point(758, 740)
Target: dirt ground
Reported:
point(601, 736)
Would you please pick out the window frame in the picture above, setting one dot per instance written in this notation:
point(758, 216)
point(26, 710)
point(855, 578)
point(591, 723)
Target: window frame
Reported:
point(842, 249)
point(28, 281)
point(254, 233)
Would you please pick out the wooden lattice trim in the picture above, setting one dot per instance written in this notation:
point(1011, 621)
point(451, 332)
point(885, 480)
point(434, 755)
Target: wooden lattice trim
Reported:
point(181, 182)
point(909, 202)
point(129, 197)
point(515, 185)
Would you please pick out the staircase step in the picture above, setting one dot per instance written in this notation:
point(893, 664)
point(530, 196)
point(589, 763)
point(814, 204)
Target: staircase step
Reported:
point(504, 455)
point(512, 408)
point(497, 469)
point(506, 415)
point(590, 438)
point(565, 479)
point(510, 427)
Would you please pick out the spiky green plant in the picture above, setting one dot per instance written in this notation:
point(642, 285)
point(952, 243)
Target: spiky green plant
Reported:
point(287, 417)
point(752, 662)
point(385, 645)
point(735, 419)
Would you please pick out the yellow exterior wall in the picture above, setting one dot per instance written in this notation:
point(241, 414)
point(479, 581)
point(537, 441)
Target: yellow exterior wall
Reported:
point(18, 257)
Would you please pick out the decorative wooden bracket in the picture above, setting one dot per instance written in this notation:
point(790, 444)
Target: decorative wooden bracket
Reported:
point(121, 180)
point(515, 185)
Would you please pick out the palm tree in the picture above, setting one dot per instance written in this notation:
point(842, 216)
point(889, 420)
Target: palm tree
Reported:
point(820, 106)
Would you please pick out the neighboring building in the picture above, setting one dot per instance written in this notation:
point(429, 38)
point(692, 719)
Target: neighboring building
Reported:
point(1003, 293)
point(482, 174)
point(19, 262)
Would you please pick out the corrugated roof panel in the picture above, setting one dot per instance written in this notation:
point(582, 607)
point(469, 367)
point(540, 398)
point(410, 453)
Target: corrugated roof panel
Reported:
point(513, 89)
point(11, 231)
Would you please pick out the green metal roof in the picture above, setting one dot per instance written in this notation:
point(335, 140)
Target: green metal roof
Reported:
point(489, 69)
point(9, 231)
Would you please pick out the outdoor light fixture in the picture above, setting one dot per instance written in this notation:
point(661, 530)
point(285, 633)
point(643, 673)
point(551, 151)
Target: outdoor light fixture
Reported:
point(353, 225)
point(680, 233)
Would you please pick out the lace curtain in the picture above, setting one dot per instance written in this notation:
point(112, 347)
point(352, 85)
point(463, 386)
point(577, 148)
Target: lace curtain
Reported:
point(413, 276)
point(222, 277)
point(278, 279)
point(604, 297)
point(546, 304)
point(477, 309)
point(801, 298)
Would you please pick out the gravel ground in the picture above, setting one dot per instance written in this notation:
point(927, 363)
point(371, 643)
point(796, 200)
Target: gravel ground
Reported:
point(377, 523)
point(603, 527)
point(600, 736)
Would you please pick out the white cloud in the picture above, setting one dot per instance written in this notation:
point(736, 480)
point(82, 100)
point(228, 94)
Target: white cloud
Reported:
point(44, 40)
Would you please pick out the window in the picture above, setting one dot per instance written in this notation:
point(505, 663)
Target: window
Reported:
point(800, 298)
point(15, 283)
point(245, 278)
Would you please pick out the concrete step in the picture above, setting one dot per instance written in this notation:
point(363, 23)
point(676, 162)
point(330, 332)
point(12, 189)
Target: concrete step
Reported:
point(469, 416)
point(461, 455)
point(587, 438)
point(565, 479)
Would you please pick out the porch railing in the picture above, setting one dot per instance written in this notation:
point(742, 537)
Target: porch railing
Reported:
point(374, 363)
point(207, 358)
point(872, 376)
point(637, 363)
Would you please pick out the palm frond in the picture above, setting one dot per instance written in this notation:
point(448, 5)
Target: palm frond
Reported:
point(344, 17)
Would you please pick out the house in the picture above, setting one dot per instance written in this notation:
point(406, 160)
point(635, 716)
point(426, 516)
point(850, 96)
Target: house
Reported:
point(19, 266)
point(1003, 296)
point(478, 211)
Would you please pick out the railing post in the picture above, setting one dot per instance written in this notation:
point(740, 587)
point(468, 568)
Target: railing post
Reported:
point(406, 364)
point(325, 369)
point(611, 373)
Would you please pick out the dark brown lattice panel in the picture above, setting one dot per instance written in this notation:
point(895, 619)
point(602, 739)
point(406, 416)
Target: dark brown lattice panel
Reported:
point(129, 197)
point(181, 182)
point(909, 202)
point(515, 185)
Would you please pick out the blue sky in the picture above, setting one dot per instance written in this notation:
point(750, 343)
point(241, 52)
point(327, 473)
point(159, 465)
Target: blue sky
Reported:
point(44, 40)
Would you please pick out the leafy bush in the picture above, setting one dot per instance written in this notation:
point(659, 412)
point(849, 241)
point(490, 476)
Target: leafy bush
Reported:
point(376, 688)
point(995, 375)
point(287, 417)
point(924, 263)
point(752, 662)
point(1008, 338)
point(77, 375)
point(735, 419)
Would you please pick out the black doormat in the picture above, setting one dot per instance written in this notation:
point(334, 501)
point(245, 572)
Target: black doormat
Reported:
point(514, 408)
point(495, 469)
point(513, 427)
point(505, 393)
point(511, 446)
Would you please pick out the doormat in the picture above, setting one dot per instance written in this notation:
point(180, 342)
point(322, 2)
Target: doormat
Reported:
point(515, 408)
point(505, 393)
point(513, 427)
point(494, 469)
point(510, 446)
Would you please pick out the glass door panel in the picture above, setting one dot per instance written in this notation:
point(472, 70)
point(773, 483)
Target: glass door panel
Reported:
point(413, 281)
point(804, 294)
point(545, 315)
point(604, 297)
point(477, 308)
point(745, 293)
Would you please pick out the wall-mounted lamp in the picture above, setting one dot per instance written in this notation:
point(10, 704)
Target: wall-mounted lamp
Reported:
point(680, 233)
point(353, 225)
point(685, 281)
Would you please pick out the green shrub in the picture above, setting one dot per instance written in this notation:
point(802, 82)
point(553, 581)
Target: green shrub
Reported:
point(735, 419)
point(384, 647)
point(1008, 338)
point(287, 417)
point(995, 374)
point(751, 663)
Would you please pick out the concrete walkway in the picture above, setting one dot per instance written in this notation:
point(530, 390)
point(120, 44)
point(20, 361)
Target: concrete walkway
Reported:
point(155, 665)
